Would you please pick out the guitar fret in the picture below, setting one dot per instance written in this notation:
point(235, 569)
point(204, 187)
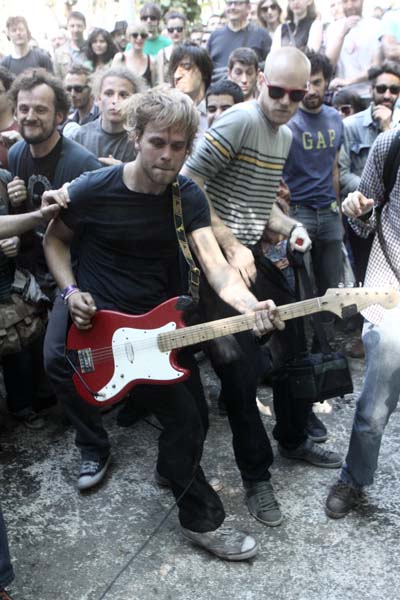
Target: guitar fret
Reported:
point(338, 298)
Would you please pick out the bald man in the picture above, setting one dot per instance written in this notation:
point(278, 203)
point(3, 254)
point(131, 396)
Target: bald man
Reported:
point(239, 163)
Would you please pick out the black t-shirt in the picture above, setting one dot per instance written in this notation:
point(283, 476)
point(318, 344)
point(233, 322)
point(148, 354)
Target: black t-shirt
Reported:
point(33, 59)
point(129, 253)
point(223, 41)
point(38, 173)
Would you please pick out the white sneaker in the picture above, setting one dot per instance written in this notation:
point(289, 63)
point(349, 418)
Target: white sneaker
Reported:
point(225, 542)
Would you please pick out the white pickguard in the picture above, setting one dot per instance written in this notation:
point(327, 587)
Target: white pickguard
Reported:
point(145, 363)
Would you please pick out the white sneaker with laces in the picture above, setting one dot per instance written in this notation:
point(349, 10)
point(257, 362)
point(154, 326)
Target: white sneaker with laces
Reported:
point(226, 542)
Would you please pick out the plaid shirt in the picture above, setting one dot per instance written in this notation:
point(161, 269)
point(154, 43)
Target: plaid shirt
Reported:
point(379, 273)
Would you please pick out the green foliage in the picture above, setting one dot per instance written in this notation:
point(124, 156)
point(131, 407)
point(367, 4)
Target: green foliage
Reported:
point(190, 8)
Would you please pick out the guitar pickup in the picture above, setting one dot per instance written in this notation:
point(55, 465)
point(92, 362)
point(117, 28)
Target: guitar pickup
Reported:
point(85, 358)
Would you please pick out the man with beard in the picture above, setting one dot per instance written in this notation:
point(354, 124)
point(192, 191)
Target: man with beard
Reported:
point(123, 216)
point(44, 159)
point(78, 85)
point(312, 174)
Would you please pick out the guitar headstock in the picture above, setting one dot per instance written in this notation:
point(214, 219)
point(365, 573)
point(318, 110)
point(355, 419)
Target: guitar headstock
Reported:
point(345, 302)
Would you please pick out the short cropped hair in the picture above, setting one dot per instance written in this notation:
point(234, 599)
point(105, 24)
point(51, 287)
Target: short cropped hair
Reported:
point(18, 20)
point(75, 14)
point(200, 57)
point(6, 78)
point(225, 86)
point(32, 78)
point(166, 107)
point(246, 56)
point(151, 7)
point(136, 81)
point(320, 62)
point(388, 66)
point(78, 69)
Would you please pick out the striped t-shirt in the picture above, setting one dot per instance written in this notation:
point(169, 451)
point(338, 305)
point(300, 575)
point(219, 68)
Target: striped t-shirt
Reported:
point(241, 158)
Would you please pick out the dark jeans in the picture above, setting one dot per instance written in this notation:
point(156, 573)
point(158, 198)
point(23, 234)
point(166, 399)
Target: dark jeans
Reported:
point(240, 378)
point(6, 570)
point(324, 226)
point(25, 380)
point(180, 408)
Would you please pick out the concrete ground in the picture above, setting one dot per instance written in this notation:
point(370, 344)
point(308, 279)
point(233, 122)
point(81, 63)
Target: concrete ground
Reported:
point(68, 545)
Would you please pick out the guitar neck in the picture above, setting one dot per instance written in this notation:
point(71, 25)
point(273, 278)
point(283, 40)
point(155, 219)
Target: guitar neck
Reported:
point(195, 334)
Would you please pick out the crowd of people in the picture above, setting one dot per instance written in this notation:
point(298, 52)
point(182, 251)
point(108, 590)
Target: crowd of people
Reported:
point(262, 131)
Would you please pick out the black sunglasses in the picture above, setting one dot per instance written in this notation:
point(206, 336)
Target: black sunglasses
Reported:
point(77, 88)
point(135, 35)
point(146, 17)
point(172, 29)
point(276, 92)
point(382, 88)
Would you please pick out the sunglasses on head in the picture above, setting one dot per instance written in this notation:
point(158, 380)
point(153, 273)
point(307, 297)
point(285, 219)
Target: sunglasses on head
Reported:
point(172, 29)
point(146, 17)
point(276, 92)
point(77, 88)
point(345, 109)
point(135, 35)
point(382, 88)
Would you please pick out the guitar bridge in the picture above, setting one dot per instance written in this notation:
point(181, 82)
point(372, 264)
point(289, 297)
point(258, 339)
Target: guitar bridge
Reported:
point(85, 359)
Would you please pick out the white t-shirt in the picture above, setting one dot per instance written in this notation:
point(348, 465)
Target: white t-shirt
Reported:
point(359, 48)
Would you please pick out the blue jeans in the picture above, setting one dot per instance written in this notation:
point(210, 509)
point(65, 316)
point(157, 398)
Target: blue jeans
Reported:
point(6, 570)
point(324, 227)
point(377, 401)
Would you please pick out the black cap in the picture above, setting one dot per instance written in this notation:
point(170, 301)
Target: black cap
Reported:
point(120, 26)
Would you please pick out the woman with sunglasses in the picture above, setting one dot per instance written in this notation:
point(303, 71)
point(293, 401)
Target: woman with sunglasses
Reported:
point(134, 58)
point(269, 15)
point(302, 28)
point(175, 27)
point(100, 49)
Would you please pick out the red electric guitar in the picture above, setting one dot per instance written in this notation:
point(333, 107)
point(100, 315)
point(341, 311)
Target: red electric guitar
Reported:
point(121, 350)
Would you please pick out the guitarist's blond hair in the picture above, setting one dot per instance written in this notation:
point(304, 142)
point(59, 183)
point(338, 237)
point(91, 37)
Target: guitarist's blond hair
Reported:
point(165, 107)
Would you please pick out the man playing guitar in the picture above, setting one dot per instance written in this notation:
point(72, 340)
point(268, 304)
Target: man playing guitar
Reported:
point(121, 221)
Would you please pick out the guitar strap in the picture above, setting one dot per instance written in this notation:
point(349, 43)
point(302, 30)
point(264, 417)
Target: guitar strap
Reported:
point(194, 271)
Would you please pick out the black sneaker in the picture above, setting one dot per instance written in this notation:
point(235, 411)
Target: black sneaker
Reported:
point(92, 472)
point(262, 504)
point(31, 420)
point(310, 452)
point(341, 499)
point(225, 542)
point(315, 429)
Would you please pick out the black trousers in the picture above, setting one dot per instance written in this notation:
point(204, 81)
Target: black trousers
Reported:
point(180, 408)
point(240, 377)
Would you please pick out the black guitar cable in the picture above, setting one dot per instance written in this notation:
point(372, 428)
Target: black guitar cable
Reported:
point(150, 537)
